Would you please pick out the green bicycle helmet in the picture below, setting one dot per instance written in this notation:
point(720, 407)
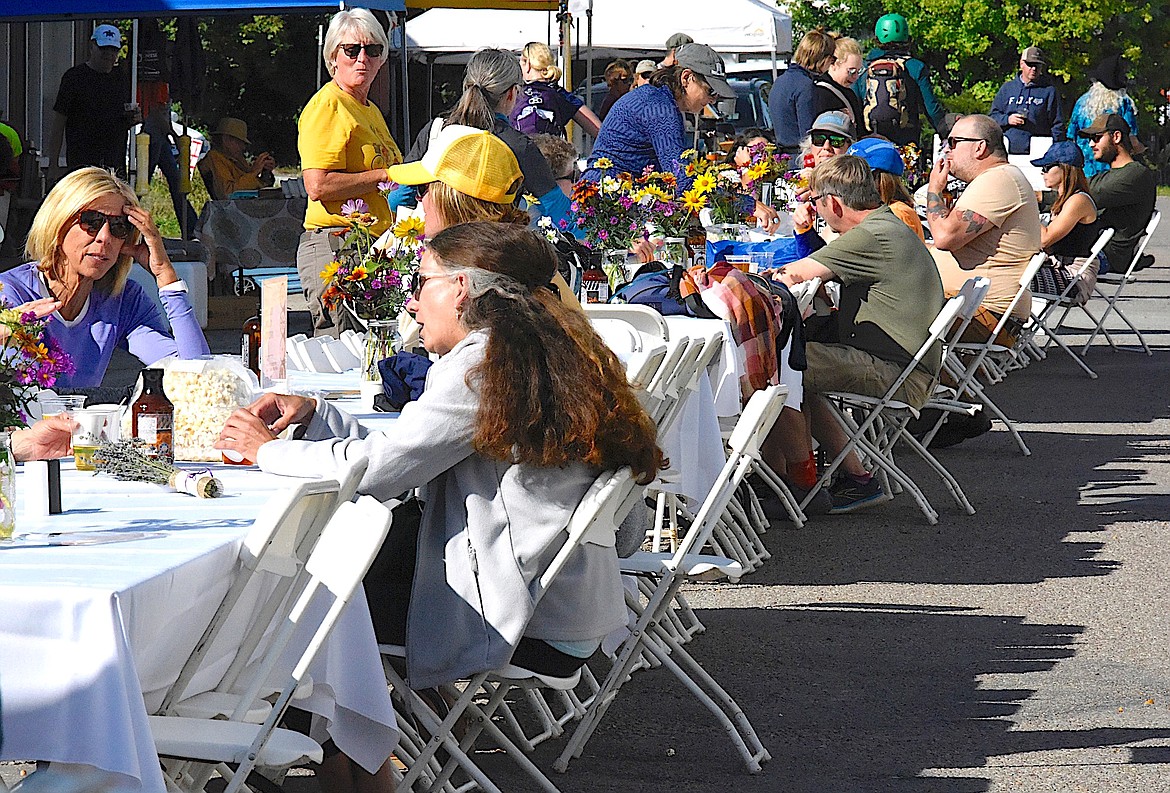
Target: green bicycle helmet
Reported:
point(892, 28)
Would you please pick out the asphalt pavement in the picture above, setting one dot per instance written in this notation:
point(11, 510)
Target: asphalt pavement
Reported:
point(1020, 649)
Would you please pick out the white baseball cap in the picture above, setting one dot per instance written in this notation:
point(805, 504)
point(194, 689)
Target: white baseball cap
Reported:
point(107, 36)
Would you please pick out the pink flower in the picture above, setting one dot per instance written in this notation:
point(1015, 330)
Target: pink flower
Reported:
point(355, 206)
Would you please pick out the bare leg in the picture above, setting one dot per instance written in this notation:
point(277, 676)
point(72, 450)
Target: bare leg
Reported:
point(340, 774)
point(830, 434)
point(789, 441)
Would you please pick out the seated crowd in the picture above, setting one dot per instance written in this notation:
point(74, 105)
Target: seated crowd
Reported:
point(525, 405)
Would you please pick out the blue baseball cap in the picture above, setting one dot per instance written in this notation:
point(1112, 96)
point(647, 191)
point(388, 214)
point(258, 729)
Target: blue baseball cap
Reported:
point(880, 154)
point(1063, 151)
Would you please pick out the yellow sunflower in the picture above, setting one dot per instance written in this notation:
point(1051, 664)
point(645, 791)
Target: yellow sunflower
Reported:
point(330, 271)
point(757, 171)
point(693, 200)
point(704, 183)
point(603, 163)
point(409, 228)
point(359, 273)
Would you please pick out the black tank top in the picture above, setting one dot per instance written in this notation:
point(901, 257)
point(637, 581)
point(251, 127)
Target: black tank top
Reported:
point(1079, 241)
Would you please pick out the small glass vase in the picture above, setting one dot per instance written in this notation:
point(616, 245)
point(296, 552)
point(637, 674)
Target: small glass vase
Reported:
point(7, 487)
point(675, 252)
point(382, 341)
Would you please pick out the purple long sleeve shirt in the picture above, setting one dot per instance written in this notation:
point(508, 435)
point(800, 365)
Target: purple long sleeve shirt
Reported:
point(129, 320)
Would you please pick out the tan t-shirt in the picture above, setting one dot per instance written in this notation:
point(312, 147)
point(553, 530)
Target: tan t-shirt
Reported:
point(1003, 196)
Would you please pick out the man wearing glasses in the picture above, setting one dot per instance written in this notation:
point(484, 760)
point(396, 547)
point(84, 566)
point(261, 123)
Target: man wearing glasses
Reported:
point(1029, 104)
point(1125, 194)
point(993, 230)
point(890, 293)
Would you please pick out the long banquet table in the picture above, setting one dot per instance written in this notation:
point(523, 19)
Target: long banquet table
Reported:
point(93, 633)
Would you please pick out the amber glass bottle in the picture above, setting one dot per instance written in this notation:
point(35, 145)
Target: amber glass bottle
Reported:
point(152, 416)
point(250, 345)
point(594, 284)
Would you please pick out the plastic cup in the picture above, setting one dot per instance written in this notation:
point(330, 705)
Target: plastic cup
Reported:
point(53, 404)
point(94, 427)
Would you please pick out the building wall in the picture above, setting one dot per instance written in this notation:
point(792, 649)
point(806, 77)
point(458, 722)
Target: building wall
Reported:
point(38, 53)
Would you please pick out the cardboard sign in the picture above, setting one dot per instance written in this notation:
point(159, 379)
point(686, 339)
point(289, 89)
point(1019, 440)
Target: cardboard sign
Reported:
point(273, 329)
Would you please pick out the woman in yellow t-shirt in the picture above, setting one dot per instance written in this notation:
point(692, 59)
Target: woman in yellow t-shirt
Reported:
point(345, 149)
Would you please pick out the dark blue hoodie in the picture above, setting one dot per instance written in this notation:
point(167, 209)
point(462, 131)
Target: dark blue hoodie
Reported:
point(1039, 102)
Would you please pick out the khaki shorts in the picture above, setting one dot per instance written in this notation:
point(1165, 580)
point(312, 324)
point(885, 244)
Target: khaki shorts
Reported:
point(839, 367)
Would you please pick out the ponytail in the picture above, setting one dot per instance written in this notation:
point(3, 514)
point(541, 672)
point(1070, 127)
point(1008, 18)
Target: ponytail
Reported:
point(490, 75)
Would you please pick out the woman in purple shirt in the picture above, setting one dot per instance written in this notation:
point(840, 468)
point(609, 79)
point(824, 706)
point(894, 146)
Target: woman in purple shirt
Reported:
point(83, 242)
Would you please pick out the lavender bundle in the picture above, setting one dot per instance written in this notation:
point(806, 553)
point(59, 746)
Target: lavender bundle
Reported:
point(129, 461)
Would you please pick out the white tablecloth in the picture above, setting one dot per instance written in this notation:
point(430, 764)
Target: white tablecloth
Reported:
point(92, 635)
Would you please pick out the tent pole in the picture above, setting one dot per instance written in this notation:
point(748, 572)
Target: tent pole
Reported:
point(134, 165)
point(405, 82)
point(320, 52)
point(430, 89)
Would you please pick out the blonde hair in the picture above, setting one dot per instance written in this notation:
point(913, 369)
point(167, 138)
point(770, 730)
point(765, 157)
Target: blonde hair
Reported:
point(845, 47)
point(455, 207)
point(540, 59)
point(815, 50)
point(1099, 99)
point(59, 211)
point(354, 20)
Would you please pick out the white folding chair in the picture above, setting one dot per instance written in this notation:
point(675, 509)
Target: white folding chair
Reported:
point(278, 546)
point(966, 362)
point(594, 520)
point(342, 555)
point(339, 354)
point(1044, 305)
point(648, 632)
point(645, 319)
point(1119, 281)
point(872, 431)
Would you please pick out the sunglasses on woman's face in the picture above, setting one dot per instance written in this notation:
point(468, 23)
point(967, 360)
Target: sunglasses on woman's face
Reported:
point(836, 141)
point(92, 221)
point(420, 190)
point(351, 50)
point(1049, 167)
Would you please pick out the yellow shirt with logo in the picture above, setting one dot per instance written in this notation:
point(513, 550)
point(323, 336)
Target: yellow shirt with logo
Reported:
point(337, 133)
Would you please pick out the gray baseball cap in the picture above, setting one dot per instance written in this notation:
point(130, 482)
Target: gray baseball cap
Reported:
point(677, 40)
point(705, 62)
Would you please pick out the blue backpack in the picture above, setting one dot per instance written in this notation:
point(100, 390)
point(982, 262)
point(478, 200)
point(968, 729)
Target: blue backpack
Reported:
point(655, 286)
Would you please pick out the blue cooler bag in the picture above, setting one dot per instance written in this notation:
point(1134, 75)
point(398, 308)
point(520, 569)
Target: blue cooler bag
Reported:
point(779, 252)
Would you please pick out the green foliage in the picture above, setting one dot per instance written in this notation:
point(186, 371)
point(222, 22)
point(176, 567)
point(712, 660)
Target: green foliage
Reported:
point(973, 46)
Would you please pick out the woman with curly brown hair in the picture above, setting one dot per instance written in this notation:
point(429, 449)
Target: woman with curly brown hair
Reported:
point(524, 408)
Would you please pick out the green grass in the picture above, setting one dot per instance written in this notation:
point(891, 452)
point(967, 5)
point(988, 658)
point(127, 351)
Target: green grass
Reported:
point(158, 203)
point(1163, 190)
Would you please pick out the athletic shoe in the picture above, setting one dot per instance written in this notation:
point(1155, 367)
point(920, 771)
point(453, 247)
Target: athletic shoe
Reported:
point(821, 504)
point(849, 495)
point(1144, 262)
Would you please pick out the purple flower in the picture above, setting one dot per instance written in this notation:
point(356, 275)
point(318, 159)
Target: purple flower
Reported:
point(603, 235)
point(626, 202)
point(355, 206)
point(564, 224)
point(613, 221)
point(387, 187)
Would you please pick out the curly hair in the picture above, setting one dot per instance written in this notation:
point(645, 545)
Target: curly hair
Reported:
point(551, 392)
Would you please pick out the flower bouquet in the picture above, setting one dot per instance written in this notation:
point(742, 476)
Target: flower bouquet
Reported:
point(763, 170)
point(29, 361)
point(717, 188)
point(370, 277)
point(610, 216)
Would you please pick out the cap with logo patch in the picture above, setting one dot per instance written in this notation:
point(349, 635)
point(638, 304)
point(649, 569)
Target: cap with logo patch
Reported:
point(705, 62)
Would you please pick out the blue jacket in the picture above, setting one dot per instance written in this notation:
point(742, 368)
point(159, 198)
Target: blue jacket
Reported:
point(920, 73)
point(793, 105)
point(644, 127)
point(1039, 102)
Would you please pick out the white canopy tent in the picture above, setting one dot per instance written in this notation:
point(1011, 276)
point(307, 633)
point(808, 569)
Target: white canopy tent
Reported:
point(619, 28)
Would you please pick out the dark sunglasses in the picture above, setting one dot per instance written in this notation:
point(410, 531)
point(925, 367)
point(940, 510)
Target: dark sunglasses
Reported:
point(1035, 64)
point(1098, 135)
point(954, 141)
point(420, 190)
point(836, 141)
point(1049, 167)
point(351, 50)
point(419, 281)
point(92, 221)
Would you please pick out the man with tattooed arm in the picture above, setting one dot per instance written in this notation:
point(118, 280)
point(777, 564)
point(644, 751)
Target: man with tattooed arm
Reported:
point(992, 230)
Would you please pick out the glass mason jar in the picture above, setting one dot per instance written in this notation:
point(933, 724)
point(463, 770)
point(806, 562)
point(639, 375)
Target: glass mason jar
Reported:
point(382, 341)
point(7, 487)
point(675, 252)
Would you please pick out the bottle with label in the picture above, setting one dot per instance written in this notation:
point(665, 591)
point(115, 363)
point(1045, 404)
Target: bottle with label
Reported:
point(152, 416)
point(250, 345)
point(594, 284)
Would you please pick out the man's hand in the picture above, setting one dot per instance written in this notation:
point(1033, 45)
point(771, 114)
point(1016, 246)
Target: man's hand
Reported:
point(1017, 120)
point(768, 218)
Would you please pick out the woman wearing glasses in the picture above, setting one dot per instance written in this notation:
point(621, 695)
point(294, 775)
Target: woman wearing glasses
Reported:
point(834, 89)
point(345, 149)
point(84, 239)
point(524, 408)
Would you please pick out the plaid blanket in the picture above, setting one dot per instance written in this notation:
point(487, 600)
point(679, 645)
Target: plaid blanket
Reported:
point(754, 316)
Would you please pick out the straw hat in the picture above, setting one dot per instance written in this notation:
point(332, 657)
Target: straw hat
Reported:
point(232, 126)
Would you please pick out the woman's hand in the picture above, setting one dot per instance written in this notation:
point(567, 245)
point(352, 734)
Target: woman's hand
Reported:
point(40, 308)
point(244, 433)
point(48, 439)
point(279, 411)
point(768, 218)
point(804, 216)
point(644, 250)
point(150, 252)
